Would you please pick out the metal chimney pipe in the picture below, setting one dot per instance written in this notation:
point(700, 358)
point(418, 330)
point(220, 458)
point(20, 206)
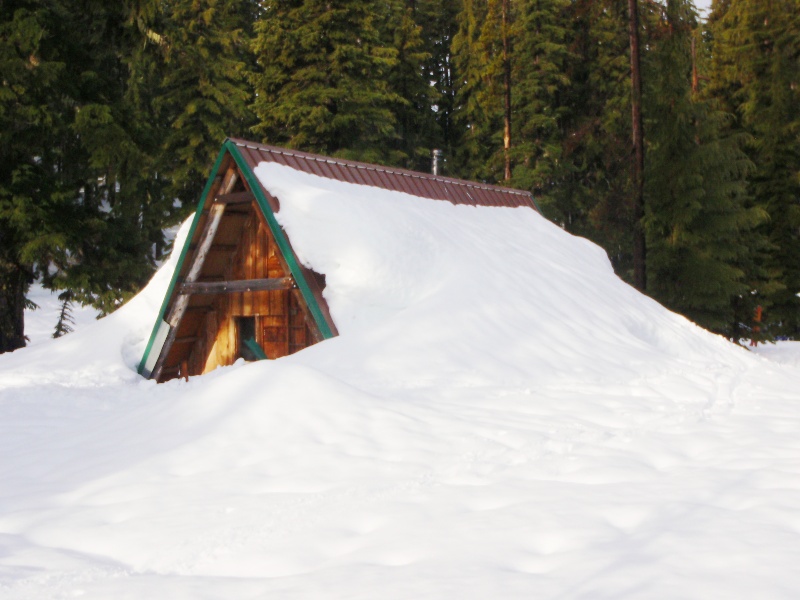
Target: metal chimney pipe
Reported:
point(437, 159)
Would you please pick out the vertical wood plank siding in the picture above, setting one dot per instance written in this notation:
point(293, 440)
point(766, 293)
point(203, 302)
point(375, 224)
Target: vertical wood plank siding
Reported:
point(281, 324)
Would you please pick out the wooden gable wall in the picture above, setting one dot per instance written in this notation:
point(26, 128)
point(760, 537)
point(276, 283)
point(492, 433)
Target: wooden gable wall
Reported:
point(280, 328)
point(206, 329)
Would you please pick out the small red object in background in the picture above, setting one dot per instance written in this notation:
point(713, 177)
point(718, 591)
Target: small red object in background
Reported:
point(756, 328)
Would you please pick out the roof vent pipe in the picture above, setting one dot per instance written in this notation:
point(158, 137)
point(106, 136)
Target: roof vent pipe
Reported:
point(437, 160)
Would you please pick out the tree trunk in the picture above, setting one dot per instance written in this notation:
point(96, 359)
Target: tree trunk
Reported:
point(13, 283)
point(695, 76)
point(506, 92)
point(639, 248)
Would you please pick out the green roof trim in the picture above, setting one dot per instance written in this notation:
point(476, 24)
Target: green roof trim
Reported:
point(536, 204)
point(184, 252)
point(281, 240)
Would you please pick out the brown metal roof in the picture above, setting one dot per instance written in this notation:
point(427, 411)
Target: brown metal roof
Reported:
point(457, 191)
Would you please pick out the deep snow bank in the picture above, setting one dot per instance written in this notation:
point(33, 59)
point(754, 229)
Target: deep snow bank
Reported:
point(423, 289)
point(99, 352)
point(501, 417)
point(419, 286)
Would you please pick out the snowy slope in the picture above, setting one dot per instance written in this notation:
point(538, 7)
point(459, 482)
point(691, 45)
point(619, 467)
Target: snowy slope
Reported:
point(500, 418)
point(40, 323)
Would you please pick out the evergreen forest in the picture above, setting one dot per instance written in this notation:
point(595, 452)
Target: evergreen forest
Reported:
point(671, 141)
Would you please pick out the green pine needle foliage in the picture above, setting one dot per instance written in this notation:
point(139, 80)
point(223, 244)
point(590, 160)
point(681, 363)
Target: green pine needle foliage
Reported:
point(322, 82)
point(756, 73)
point(66, 320)
point(696, 192)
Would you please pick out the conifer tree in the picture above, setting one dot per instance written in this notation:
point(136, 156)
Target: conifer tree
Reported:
point(100, 135)
point(438, 20)
point(123, 206)
point(541, 82)
point(570, 94)
point(695, 187)
point(638, 150)
point(204, 59)
point(57, 219)
point(323, 78)
point(757, 72)
point(66, 321)
point(409, 79)
point(478, 52)
point(27, 115)
point(591, 196)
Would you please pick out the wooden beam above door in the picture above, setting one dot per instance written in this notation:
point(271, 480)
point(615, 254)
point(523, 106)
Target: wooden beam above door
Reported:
point(232, 287)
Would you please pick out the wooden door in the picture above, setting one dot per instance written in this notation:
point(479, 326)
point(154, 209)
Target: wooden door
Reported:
point(275, 325)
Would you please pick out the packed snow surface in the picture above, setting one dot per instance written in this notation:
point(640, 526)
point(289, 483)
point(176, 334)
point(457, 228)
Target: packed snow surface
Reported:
point(501, 417)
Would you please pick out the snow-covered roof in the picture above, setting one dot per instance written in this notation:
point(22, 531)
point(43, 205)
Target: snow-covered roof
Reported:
point(423, 185)
point(265, 177)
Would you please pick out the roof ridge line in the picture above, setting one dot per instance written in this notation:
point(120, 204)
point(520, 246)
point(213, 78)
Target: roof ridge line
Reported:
point(381, 169)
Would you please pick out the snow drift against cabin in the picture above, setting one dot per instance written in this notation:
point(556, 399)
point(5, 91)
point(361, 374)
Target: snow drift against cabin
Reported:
point(500, 417)
point(239, 289)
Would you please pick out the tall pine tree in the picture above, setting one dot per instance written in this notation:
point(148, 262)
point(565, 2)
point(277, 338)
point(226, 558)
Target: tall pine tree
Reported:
point(695, 186)
point(103, 133)
point(757, 72)
point(539, 100)
point(484, 56)
point(204, 60)
point(28, 115)
point(591, 198)
point(438, 20)
point(417, 128)
point(323, 78)
point(62, 217)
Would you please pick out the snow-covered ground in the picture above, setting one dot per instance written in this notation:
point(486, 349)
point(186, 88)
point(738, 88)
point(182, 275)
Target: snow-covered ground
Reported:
point(501, 417)
point(787, 353)
point(40, 323)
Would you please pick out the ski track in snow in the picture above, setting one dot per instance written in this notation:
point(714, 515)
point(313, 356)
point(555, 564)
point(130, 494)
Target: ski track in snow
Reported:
point(567, 438)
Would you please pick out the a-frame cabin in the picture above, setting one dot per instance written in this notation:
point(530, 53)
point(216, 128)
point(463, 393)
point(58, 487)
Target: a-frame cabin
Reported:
point(239, 289)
